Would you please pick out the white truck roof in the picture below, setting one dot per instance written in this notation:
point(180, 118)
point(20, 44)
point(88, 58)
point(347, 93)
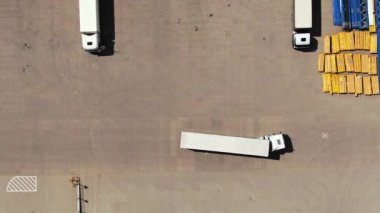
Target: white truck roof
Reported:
point(302, 39)
point(302, 14)
point(226, 144)
point(88, 11)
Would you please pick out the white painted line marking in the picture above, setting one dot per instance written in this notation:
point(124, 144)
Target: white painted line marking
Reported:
point(29, 183)
point(22, 184)
point(12, 187)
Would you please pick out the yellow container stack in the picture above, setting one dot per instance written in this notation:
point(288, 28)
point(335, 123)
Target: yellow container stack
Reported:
point(365, 63)
point(357, 63)
point(367, 85)
point(349, 62)
point(375, 85)
point(335, 63)
point(358, 85)
point(327, 46)
point(351, 84)
point(373, 65)
point(321, 62)
point(335, 43)
point(340, 63)
point(326, 79)
point(373, 43)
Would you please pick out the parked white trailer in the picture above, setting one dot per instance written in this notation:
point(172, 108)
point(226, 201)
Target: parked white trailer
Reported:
point(235, 145)
point(89, 24)
point(303, 23)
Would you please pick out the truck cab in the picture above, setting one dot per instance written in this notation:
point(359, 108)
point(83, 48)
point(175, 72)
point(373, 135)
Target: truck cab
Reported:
point(277, 141)
point(90, 41)
point(301, 40)
point(89, 25)
point(303, 24)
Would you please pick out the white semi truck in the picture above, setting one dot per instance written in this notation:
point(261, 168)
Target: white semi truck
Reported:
point(89, 25)
point(261, 147)
point(303, 23)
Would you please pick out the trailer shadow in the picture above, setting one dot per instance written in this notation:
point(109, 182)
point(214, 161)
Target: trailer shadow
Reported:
point(316, 18)
point(107, 27)
point(272, 156)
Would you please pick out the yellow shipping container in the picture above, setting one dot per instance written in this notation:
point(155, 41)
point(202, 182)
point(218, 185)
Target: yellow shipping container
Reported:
point(335, 43)
point(342, 84)
point(327, 44)
point(357, 63)
point(349, 62)
point(342, 41)
point(321, 62)
point(365, 63)
point(367, 40)
point(333, 63)
point(373, 45)
point(327, 63)
point(335, 84)
point(350, 40)
point(358, 85)
point(351, 84)
point(362, 40)
point(340, 63)
point(373, 65)
point(326, 79)
point(367, 85)
point(375, 85)
point(332, 83)
point(357, 40)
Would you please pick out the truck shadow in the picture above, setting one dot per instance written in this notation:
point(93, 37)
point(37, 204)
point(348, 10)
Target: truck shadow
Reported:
point(288, 149)
point(272, 156)
point(313, 46)
point(107, 27)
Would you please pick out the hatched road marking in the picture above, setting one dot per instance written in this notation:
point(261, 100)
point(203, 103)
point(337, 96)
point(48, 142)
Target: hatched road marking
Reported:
point(22, 184)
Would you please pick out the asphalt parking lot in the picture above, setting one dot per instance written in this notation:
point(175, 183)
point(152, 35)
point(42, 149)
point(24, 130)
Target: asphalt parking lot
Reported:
point(223, 67)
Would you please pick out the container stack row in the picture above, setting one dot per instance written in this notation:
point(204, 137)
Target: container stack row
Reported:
point(350, 84)
point(348, 41)
point(340, 63)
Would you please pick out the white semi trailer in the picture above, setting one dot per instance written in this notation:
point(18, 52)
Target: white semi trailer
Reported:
point(261, 147)
point(303, 23)
point(89, 24)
